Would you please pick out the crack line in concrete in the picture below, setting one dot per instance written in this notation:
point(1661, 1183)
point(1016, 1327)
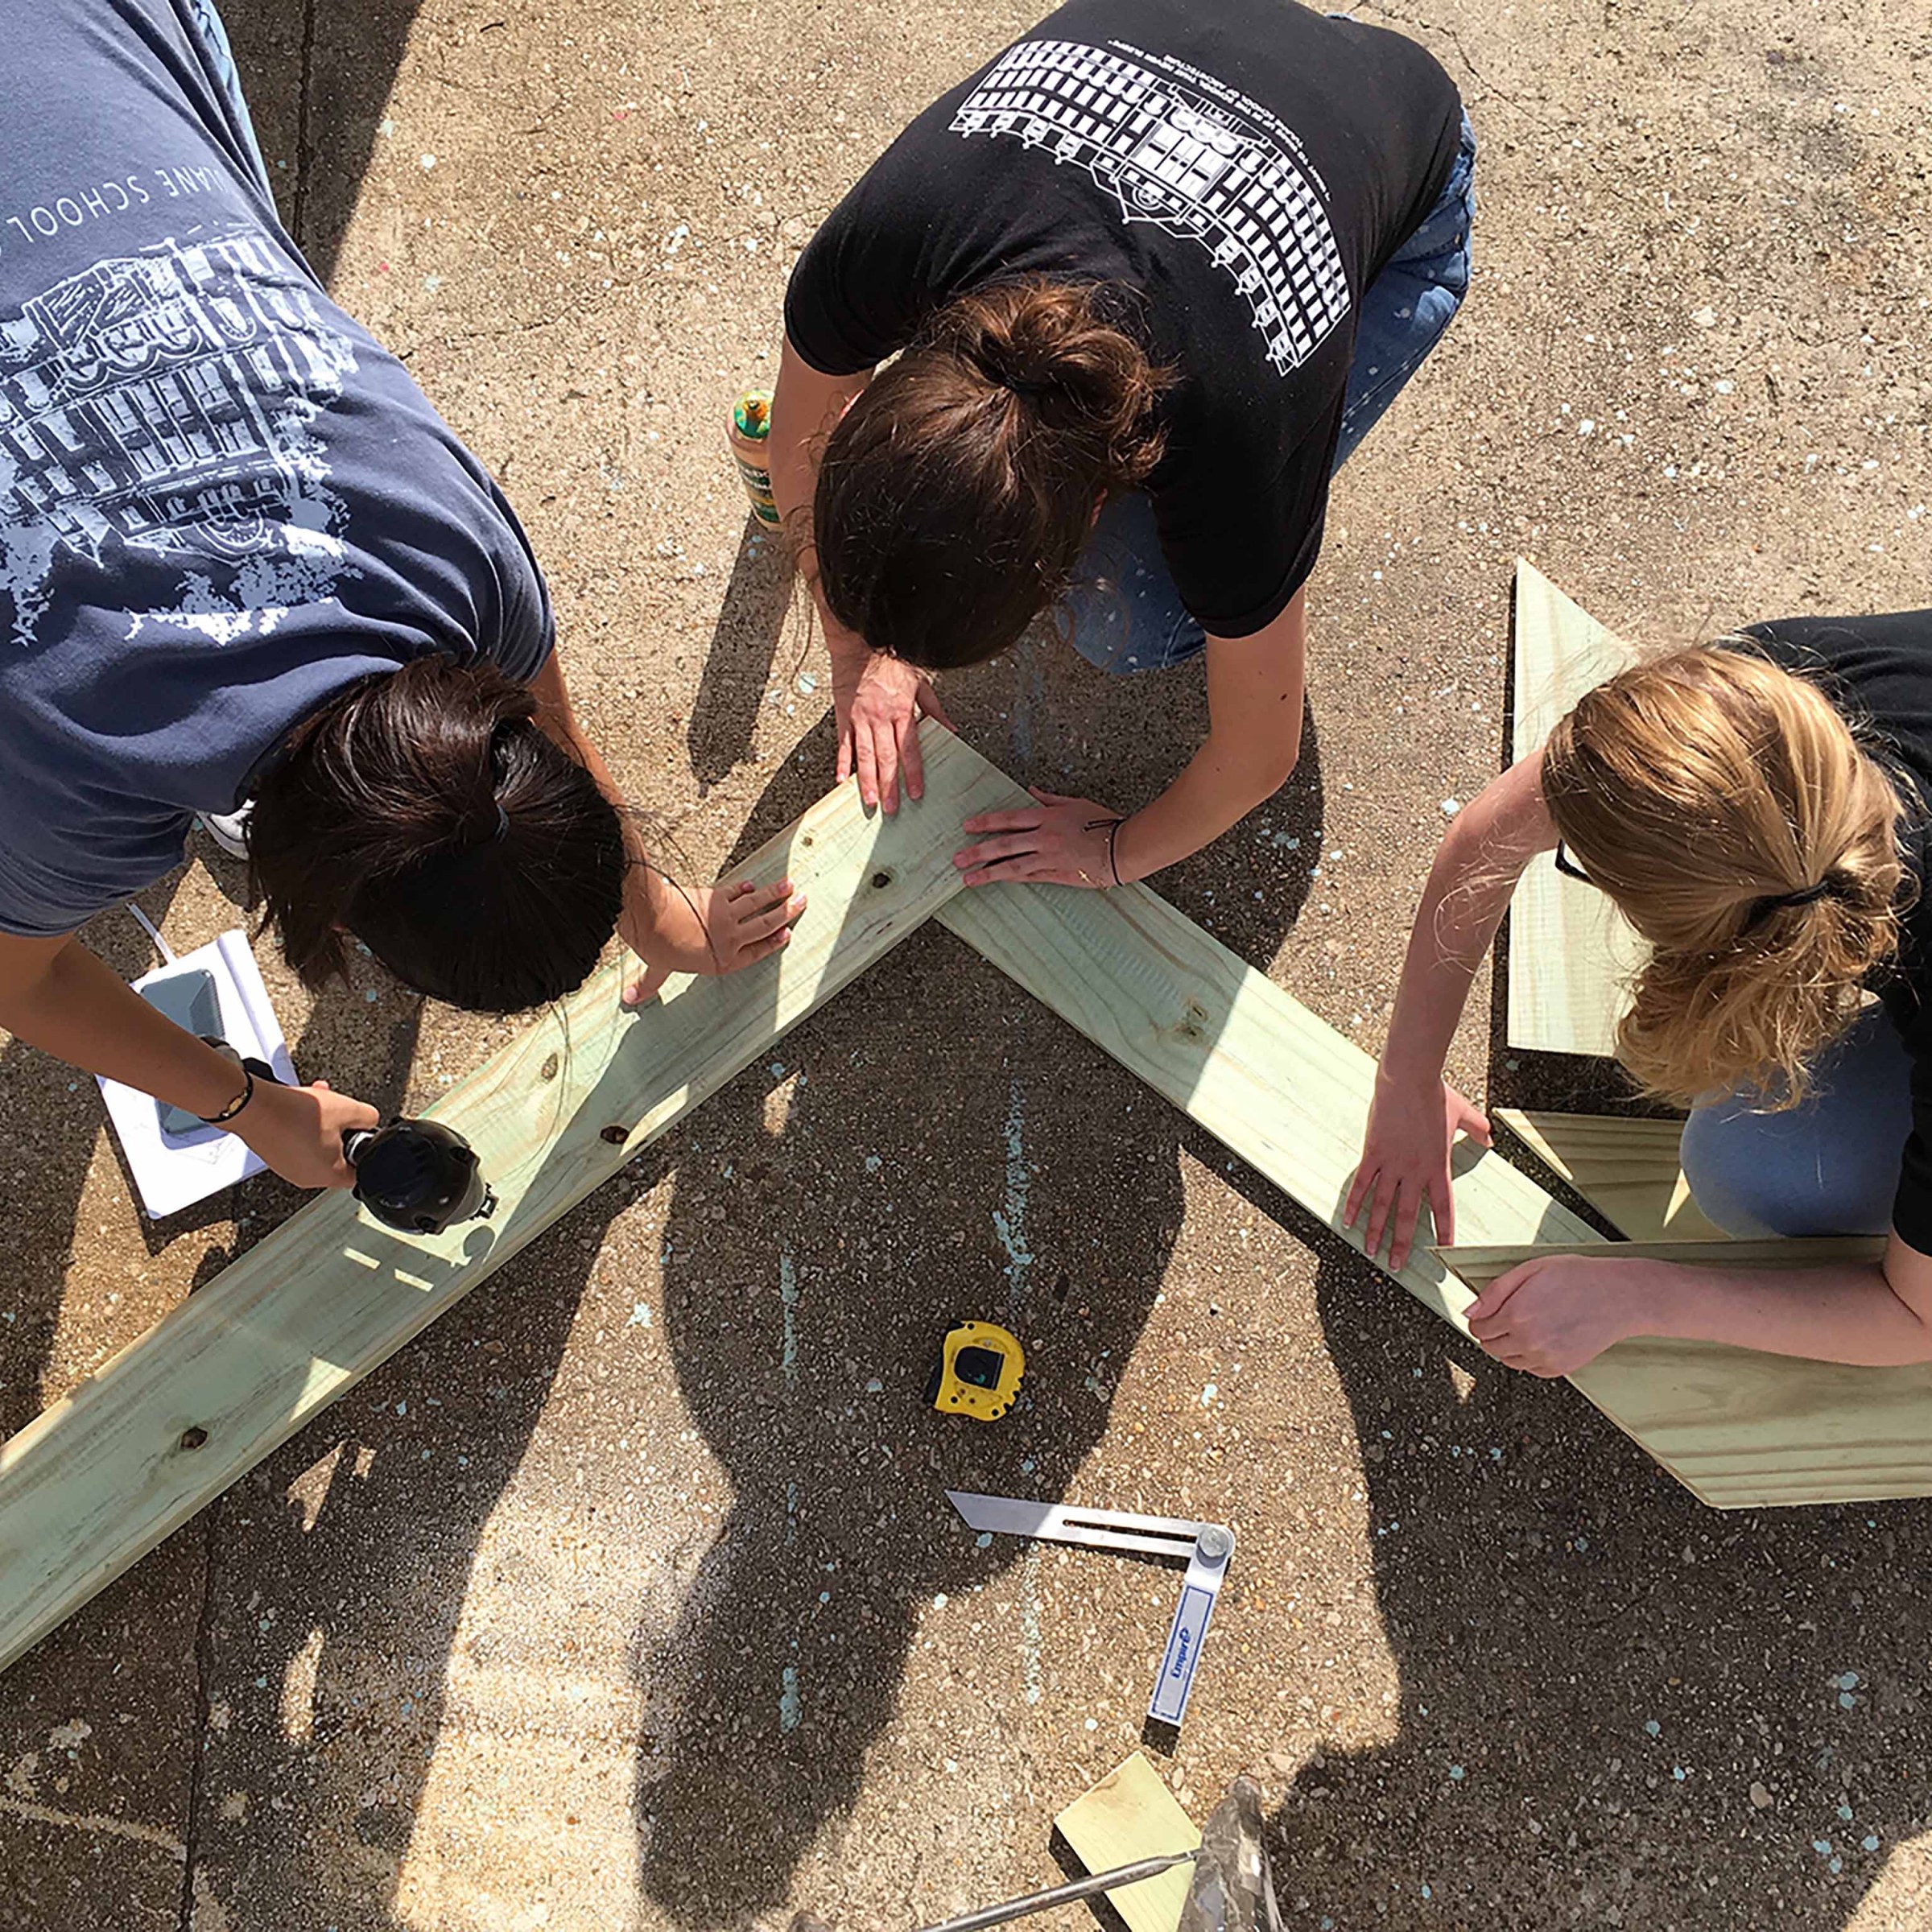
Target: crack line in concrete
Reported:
point(299, 223)
point(198, 1759)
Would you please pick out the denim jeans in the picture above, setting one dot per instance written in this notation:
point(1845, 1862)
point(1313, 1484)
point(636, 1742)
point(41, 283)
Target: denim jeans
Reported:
point(1124, 612)
point(1829, 1166)
point(204, 28)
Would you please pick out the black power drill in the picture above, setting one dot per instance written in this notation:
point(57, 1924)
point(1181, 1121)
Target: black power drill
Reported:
point(418, 1176)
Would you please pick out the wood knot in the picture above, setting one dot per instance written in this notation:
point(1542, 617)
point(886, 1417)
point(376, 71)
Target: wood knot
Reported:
point(193, 1439)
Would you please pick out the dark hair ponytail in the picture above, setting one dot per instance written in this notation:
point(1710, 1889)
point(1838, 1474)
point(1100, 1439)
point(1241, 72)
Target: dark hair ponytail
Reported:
point(955, 495)
point(425, 811)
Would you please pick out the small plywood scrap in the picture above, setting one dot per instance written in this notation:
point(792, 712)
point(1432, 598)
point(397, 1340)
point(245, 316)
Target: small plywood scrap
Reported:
point(1626, 1169)
point(1128, 1815)
point(1570, 953)
point(1744, 1429)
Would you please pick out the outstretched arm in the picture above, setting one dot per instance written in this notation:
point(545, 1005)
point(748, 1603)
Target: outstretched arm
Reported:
point(1414, 1118)
point(1254, 736)
point(55, 995)
point(1551, 1315)
point(703, 929)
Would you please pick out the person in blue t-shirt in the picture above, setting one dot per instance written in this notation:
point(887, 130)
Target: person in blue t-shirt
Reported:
point(242, 559)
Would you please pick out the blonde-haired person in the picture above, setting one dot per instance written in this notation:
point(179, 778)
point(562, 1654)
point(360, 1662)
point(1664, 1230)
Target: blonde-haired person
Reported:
point(1753, 809)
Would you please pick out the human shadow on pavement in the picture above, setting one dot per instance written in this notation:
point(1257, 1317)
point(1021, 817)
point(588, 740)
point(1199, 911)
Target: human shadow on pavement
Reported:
point(946, 1149)
point(744, 644)
point(1601, 1679)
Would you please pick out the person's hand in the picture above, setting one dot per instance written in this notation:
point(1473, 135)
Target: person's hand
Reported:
point(1059, 841)
point(1549, 1316)
point(1405, 1162)
point(707, 929)
point(878, 703)
point(298, 1131)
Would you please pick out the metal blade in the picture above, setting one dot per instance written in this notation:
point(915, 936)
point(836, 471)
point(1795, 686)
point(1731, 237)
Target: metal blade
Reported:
point(1168, 1536)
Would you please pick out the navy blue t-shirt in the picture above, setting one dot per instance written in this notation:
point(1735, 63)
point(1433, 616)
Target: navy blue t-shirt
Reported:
point(221, 499)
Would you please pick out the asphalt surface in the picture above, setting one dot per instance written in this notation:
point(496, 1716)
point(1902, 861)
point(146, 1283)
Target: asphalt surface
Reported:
point(626, 1598)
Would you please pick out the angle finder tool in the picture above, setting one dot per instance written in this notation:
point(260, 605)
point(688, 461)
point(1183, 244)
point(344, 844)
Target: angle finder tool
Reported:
point(1207, 1547)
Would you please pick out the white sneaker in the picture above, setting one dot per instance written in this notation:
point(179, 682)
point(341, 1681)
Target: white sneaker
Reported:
point(230, 829)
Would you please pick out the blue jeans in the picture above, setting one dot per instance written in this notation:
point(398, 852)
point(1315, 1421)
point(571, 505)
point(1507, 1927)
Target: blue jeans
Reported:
point(1124, 612)
point(1829, 1166)
point(204, 28)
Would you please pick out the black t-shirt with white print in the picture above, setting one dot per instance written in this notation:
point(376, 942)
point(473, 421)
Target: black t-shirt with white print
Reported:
point(1241, 170)
point(1877, 672)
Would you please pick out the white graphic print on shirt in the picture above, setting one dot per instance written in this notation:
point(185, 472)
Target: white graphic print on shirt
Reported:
point(162, 402)
point(1202, 160)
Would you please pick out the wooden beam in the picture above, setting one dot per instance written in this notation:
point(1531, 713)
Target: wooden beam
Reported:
point(1478, 1263)
point(1625, 1168)
point(1570, 950)
point(1128, 1815)
point(161, 1430)
point(1748, 1430)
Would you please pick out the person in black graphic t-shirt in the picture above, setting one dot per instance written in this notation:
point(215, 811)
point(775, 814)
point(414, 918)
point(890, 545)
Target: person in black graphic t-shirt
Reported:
point(1149, 277)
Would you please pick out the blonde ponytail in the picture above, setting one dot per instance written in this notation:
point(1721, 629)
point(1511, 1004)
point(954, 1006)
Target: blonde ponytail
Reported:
point(1726, 808)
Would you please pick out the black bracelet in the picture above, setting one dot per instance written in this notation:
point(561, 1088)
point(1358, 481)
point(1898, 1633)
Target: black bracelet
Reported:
point(1113, 831)
point(247, 1086)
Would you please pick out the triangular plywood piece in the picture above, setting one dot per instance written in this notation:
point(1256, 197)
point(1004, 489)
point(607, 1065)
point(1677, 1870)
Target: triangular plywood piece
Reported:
point(1570, 954)
point(1626, 1169)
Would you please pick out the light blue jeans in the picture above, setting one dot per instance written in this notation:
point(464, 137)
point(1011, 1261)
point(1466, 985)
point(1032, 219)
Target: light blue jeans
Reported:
point(204, 28)
point(1829, 1166)
point(1124, 612)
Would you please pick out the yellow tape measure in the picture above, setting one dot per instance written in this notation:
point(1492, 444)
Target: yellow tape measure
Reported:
point(978, 1372)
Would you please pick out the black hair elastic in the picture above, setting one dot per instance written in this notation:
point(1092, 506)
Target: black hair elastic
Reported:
point(1808, 895)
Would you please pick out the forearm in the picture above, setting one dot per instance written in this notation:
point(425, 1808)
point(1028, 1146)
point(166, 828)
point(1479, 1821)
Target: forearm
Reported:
point(81, 1012)
point(1461, 908)
point(1213, 793)
point(1850, 1312)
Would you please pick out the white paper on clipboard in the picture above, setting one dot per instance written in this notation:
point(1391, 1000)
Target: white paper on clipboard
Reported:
point(170, 1175)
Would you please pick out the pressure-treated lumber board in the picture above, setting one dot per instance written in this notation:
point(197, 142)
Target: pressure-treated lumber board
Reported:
point(1627, 1169)
point(1570, 950)
point(1748, 1430)
point(1478, 1264)
point(1131, 1814)
point(101, 1477)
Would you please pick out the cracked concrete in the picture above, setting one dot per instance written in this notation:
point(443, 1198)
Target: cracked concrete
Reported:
point(621, 1599)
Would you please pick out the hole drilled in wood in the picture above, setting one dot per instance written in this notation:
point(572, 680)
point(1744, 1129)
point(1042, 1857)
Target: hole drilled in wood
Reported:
point(880, 880)
point(616, 1136)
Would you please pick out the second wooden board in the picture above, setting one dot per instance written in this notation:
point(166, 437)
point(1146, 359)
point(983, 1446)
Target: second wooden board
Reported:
point(1625, 1168)
point(1570, 951)
point(1744, 1430)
